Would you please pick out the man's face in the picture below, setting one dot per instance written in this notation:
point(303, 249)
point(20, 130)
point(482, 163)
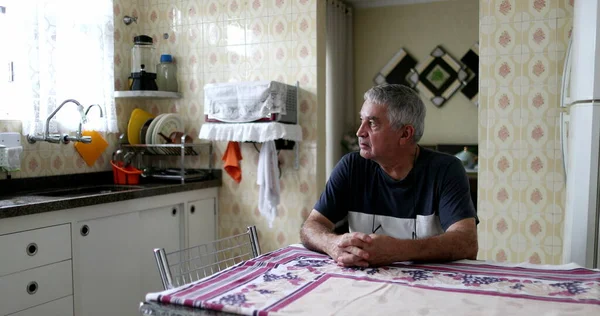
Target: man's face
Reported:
point(376, 137)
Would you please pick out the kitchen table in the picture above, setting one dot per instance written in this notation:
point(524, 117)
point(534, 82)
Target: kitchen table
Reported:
point(296, 281)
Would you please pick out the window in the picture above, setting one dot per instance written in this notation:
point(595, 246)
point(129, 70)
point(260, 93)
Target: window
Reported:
point(12, 61)
point(59, 50)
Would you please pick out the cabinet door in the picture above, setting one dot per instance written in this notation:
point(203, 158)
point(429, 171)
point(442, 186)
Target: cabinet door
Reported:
point(106, 265)
point(160, 228)
point(201, 222)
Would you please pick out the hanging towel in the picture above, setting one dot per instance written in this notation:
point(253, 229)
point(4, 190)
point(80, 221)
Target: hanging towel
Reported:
point(268, 180)
point(231, 161)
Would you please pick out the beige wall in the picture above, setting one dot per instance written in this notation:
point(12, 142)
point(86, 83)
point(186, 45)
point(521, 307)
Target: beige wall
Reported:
point(521, 187)
point(380, 32)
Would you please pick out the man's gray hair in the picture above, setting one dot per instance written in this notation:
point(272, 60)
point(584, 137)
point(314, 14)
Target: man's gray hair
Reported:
point(404, 106)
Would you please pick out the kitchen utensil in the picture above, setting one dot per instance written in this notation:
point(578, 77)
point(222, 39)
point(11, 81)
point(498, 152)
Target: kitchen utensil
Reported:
point(175, 138)
point(168, 124)
point(137, 120)
point(92, 151)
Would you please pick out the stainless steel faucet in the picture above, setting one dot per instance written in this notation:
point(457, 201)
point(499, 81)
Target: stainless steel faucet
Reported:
point(65, 139)
point(78, 137)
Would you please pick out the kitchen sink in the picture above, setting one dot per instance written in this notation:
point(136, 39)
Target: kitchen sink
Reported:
point(89, 190)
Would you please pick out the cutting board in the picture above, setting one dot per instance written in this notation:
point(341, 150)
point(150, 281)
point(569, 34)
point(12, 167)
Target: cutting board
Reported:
point(90, 152)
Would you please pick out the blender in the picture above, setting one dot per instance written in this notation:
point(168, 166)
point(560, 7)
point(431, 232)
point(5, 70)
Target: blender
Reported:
point(143, 69)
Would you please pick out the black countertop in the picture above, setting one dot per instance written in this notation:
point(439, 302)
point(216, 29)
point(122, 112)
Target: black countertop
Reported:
point(18, 197)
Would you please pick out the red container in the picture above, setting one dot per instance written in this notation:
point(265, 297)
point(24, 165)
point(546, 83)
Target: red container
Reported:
point(125, 175)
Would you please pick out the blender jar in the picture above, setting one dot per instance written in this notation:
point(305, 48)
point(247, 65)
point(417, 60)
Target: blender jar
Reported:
point(143, 69)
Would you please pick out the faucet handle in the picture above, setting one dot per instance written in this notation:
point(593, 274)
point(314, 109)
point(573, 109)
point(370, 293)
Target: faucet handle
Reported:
point(82, 114)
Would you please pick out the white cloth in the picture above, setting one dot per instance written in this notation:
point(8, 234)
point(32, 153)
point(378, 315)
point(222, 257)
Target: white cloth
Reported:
point(268, 180)
point(250, 132)
point(245, 101)
point(68, 54)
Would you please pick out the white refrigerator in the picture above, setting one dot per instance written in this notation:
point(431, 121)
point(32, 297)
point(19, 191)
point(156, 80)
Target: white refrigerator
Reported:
point(580, 124)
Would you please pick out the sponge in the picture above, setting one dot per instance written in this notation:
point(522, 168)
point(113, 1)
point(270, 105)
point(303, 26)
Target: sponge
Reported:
point(90, 152)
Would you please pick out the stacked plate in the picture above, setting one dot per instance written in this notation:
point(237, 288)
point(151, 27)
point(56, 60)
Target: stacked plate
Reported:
point(144, 128)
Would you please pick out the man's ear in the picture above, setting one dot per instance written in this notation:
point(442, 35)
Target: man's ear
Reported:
point(407, 136)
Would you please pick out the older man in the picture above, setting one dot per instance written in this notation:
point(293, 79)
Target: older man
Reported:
point(403, 202)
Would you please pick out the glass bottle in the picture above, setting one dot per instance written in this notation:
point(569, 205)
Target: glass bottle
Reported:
point(166, 77)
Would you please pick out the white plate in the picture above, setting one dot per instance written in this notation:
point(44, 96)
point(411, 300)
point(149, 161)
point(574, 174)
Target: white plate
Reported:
point(150, 130)
point(167, 124)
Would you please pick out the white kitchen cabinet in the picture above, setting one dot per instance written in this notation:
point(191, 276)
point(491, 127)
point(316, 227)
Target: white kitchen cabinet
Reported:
point(160, 228)
point(106, 269)
point(201, 221)
point(33, 248)
point(112, 264)
point(25, 289)
point(59, 307)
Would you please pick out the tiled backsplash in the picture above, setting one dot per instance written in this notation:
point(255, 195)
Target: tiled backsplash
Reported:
point(521, 184)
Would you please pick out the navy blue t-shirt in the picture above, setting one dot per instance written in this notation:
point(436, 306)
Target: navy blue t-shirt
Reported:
point(433, 196)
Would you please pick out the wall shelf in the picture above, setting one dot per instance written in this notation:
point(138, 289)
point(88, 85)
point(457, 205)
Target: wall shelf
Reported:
point(148, 94)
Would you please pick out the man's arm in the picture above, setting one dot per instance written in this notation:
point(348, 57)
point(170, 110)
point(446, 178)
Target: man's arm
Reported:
point(317, 234)
point(458, 242)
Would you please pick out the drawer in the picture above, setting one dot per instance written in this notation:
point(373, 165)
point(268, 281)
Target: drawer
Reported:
point(33, 248)
point(19, 291)
point(60, 307)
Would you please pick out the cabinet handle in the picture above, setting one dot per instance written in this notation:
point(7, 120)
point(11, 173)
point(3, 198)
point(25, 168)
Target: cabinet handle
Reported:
point(174, 211)
point(192, 209)
point(32, 287)
point(85, 230)
point(32, 249)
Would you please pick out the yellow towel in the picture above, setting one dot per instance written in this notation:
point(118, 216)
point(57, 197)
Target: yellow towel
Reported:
point(90, 152)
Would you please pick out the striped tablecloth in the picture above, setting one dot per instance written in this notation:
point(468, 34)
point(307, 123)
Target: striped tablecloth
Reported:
point(296, 281)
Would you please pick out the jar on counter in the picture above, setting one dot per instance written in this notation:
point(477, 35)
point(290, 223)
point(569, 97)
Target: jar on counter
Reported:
point(166, 74)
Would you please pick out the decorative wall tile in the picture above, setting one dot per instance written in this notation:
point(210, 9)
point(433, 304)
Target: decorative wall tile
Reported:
point(304, 6)
point(235, 9)
point(233, 33)
point(214, 11)
point(506, 40)
point(305, 25)
point(280, 7)
point(563, 32)
point(539, 9)
point(505, 11)
point(257, 30)
point(280, 28)
point(505, 70)
point(257, 8)
point(537, 35)
point(540, 70)
point(305, 53)
point(487, 39)
point(566, 6)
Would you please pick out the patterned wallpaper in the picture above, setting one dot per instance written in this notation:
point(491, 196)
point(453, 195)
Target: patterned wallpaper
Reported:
point(521, 185)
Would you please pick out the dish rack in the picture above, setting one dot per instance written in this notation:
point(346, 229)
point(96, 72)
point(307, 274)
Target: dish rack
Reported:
point(182, 150)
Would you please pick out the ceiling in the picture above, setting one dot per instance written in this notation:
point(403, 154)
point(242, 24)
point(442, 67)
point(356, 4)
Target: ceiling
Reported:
point(383, 3)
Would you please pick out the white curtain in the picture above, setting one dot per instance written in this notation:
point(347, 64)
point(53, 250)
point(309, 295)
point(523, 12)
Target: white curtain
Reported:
point(340, 108)
point(69, 54)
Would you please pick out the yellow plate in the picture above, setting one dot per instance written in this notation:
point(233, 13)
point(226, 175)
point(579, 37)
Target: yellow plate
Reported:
point(136, 121)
